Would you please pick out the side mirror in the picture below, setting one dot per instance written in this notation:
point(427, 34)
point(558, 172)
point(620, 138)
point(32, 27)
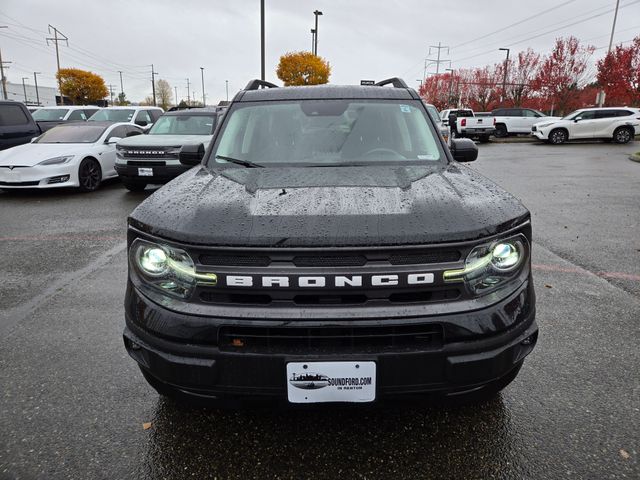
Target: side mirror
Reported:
point(464, 150)
point(577, 119)
point(113, 140)
point(191, 154)
point(142, 123)
point(133, 133)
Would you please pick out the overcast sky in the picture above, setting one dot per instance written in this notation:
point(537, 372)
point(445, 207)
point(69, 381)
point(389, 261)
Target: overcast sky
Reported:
point(362, 39)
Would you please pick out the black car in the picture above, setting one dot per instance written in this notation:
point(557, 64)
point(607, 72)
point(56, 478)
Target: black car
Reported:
point(153, 158)
point(17, 126)
point(329, 247)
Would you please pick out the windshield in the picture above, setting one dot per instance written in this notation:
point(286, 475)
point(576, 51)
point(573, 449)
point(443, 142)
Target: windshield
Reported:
point(433, 112)
point(184, 125)
point(72, 133)
point(48, 115)
point(327, 133)
point(106, 115)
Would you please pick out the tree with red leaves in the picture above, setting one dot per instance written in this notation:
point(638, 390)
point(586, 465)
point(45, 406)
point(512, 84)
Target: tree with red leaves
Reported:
point(564, 73)
point(619, 75)
point(435, 90)
point(522, 73)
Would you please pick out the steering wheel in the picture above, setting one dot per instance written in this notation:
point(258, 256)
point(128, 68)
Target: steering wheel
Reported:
point(387, 151)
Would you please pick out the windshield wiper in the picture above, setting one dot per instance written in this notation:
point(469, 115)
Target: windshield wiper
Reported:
point(237, 161)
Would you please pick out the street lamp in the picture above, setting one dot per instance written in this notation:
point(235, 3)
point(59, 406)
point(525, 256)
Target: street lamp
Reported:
point(35, 80)
point(504, 78)
point(450, 84)
point(24, 88)
point(203, 96)
point(226, 86)
point(317, 13)
point(313, 40)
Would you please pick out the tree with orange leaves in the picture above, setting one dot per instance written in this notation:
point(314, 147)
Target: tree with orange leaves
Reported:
point(80, 86)
point(303, 68)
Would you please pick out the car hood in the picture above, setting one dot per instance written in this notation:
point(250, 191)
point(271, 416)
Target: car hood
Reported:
point(549, 120)
point(164, 140)
point(278, 207)
point(31, 154)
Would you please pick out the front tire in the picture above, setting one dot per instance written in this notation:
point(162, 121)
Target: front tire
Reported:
point(89, 175)
point(134, 186)
point(558, 136)
point(622, 135)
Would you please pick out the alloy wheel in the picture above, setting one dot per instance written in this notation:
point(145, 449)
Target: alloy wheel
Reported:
point(89, 175)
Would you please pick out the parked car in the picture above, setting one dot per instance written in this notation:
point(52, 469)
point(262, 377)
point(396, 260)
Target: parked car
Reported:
point(78, 154)
point(517, 120)
point(468, 125)
point(619, 124)
point(144, 117)
point(328, 238)
point(482, 114)
point(17, 126)
point(33, 109)
point(435, 115)
point(49, 117)
point(154, 158)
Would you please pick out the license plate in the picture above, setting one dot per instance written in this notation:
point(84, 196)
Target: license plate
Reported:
point(321, 382)
point(145, 172)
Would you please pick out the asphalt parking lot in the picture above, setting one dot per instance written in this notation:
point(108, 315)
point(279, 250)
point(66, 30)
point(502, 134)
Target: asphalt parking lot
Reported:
point(73, 405)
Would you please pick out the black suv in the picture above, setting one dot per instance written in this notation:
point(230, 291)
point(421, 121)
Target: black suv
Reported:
point(17, 126)
point(329, 247)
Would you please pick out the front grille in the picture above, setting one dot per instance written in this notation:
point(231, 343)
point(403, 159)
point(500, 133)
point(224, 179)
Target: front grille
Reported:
point(148, 152)
point(253, 266)
point(134, 163)
point(297, 340)
point(18, 184)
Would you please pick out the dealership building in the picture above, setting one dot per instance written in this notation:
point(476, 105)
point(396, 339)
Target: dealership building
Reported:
point(27, 94)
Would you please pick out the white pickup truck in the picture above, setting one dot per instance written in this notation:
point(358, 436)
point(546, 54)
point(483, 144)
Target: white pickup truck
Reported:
point(517, 120)
point(468, 125)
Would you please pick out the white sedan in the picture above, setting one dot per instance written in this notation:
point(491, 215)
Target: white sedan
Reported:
point(71, 155)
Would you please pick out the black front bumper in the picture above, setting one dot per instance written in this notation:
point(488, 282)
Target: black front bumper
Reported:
point(203, 369)
point(161, 174)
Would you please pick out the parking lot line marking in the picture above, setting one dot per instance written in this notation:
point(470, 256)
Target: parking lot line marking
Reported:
point(44, 238)
point(614, 275)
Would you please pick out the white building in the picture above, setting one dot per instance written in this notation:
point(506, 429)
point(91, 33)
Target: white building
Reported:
point(15, 91)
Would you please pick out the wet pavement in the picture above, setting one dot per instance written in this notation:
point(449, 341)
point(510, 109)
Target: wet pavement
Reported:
point(73, 405)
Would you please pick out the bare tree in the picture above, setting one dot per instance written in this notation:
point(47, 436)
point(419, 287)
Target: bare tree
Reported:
point(163, 94)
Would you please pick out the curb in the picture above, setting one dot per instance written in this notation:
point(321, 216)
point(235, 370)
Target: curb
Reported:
point(635, 157)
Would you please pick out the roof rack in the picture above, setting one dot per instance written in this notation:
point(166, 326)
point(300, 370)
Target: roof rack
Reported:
point(395, 81)
point(256, 84)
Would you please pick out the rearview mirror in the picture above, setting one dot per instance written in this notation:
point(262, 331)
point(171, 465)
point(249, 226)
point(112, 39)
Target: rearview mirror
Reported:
point(133, 133)
point(113, 140)
point(191, 154)
point(464, 150)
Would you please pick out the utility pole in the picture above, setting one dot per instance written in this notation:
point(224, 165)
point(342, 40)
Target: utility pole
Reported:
point(613, 29)
point(3, 79)
point(188, 94)
point(203, 95)
point(226, 86)
point(56, 40)
point(262, 40)
point(437, 60)
point(121, 86)
point(504, 78)
point(450, 85)
point(35, 80)
point(176, 90)
point(317, 13)
point(111, 93)
point(24, 89)
point(153, 84)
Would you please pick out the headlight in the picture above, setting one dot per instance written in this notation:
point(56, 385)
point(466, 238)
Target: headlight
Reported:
point(168, 269)
point(57, 160)
point(490, 266)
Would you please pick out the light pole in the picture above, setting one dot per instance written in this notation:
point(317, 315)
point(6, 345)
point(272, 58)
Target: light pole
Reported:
point(262, 40)
point(613, 29)
point(317, 13)
point(24, 88)
point(35, 80)
point(121, 86)
point(450, 84)
point(226, 86)
point(203, 96)
point(504, 77)
point(313, 40)
point(176, 90)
